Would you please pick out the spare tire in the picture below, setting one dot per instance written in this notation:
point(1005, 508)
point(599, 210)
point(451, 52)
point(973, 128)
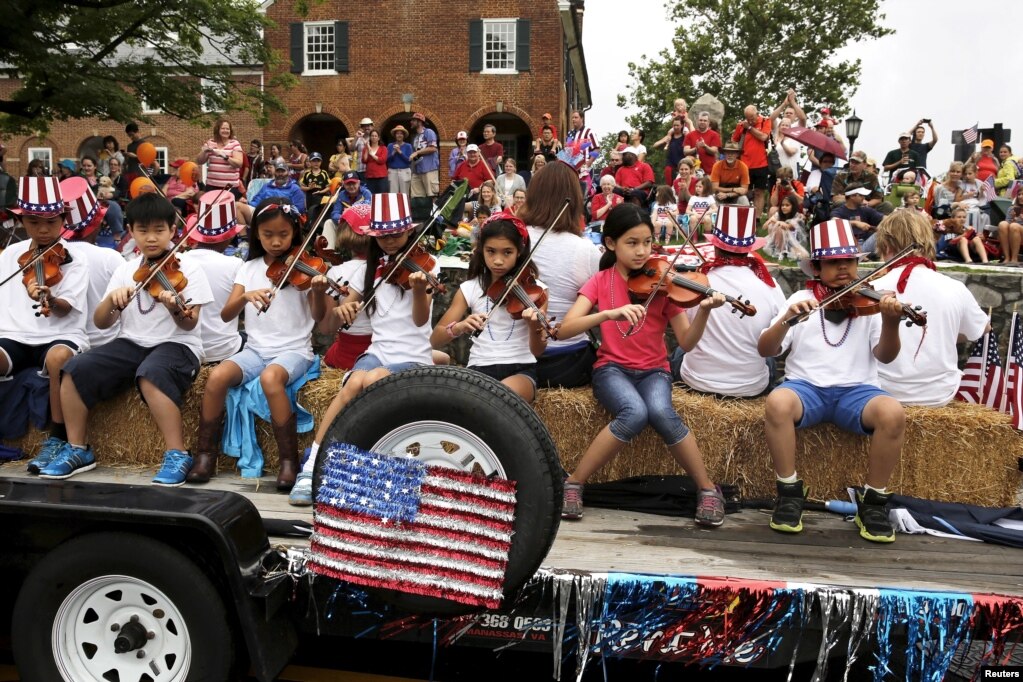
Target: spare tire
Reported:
point(485, 429)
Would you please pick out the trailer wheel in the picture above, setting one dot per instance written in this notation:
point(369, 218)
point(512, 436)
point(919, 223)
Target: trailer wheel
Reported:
point(119, 606)
point(452, 416)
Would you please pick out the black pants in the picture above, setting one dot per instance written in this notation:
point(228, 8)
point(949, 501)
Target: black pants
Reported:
point(566, 370)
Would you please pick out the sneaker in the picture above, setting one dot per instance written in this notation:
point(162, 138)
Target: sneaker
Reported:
point(68, 462)
point(710, 507)
point(176, 464)
point(302, 493)
point(573, 506)
point(51, 446)
point(872, 516)
point(788, 507)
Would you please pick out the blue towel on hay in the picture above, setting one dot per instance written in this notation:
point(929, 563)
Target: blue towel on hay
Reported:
point(246, 402)
point(24, 398)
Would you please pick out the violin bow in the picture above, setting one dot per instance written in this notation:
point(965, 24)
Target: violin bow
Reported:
point(853, 285)
point(525, 264)
point(664, 275)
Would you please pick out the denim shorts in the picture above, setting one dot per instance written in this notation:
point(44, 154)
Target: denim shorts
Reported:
point(368, 361)
point(252, 364)
point(637, 397)
point(502, 372)
point(839, 405)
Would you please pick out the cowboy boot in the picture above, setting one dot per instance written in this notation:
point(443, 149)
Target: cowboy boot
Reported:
point(287, 448)
point(207, 449)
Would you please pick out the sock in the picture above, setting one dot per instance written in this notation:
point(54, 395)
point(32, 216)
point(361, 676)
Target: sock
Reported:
point(881, 491)
point(58, 431)
point(310, 461)
point(789, 479)
point(79, 447)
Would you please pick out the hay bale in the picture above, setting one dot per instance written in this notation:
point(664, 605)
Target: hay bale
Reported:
point(958, 453)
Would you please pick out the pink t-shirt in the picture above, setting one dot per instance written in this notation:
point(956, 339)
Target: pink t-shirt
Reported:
point(644, 348)
point(220, 172)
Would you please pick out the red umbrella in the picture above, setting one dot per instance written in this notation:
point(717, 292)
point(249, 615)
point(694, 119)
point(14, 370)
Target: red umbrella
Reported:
point(819, 141)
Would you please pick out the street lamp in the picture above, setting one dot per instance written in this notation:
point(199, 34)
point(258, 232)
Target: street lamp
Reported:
point(852, 129)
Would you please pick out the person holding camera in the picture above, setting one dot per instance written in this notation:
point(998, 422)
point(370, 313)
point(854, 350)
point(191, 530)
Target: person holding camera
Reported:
point(784, 186)
point(901, 158)
point(918, 145)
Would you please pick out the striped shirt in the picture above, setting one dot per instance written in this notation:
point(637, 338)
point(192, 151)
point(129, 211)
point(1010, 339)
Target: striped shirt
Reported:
point(220, 172)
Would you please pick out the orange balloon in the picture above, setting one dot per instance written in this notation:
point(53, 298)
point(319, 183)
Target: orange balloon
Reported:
point(188, 172)
point(146, 153)
point(140, 185)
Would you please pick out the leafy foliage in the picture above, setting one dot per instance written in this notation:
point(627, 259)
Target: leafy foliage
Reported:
point(751, 52)
point(102, 58)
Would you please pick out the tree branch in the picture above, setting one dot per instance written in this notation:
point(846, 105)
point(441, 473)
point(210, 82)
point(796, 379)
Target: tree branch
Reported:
point(119, 40)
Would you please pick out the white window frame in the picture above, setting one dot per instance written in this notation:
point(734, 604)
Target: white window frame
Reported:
point(146, 109)
point(164, 165)
point(306, 71)
point(205, 83)
point(511, 46)
point(44, 153)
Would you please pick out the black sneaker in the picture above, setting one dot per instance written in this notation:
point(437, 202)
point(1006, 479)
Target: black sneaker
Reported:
point(788, 507)
point(872, 516)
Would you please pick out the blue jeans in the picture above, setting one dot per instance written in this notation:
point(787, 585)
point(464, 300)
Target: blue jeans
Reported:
point(636, 398)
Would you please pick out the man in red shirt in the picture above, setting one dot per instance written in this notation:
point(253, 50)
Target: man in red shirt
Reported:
point(472, 169)
point(752, 134)
point(703, 143)
point(492, 150)
point(635, 177)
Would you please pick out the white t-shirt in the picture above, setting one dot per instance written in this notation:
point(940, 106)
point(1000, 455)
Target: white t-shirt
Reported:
point(698, 205)
point(932, 377)
point(565, 262)
point(287, 327)
point(395, 338)
point(101, 263)
point(18, 321)
point(345, 273)
point(725, 360)
point(815, 361)
point(220, 340)
point(504, 341)
point(639, 150)
point(148, 322)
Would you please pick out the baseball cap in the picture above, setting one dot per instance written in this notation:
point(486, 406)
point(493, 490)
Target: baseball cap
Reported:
point(177, 163)
point(988, 143)
point(316, 156)
point(857, 189)
point(418, 116)
point(350, 176)
point(905, 136)
point(280, 165)
point(547, 115)
point(366, 121)
point(462, 135)
point(472, 148)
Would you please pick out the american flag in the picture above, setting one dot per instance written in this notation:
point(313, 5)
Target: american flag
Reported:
point(972, 134)
point(983, 381)
point(987, 188)
point(1014, 384)
point(976, 365)
point(400, 524)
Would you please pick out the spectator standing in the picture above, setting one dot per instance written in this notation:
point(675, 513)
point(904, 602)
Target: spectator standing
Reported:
point(341, 160)
point(509, 182)
point(585, 141)
point(491, 150)
point(111, 150)
point(985, 160)
point(276, 156)
point(752, 133)
point(675, 141)
point(224, 155)
point(790, 109)
point(918, 145)
point(703, 143)
point(788, 149)
point(425, 160)
point(457, 154)
point(374, 158)
point(315, 183)
point(297, 159)
point(358, 143)
point(901, 158)
point(399, 162)
point(131, 160)
point(255, 162)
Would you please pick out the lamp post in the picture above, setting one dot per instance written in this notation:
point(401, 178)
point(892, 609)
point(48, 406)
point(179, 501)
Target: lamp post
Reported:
point(852, 129)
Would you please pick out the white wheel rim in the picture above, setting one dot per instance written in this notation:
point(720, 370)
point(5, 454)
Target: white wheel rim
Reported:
point(84, 633)
point(444, 444)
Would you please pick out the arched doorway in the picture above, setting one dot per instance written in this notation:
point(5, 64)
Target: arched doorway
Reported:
point(90, 146)
point(403, 119)
point(319, 133)
point(512, 132)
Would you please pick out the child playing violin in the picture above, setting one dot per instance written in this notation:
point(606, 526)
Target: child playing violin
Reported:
point(157, 349)
point(831, 376)
point(42, 325)
point(505, 349)
point(278, 348)
point(352, 343)
point(631, 378)
point(400, 318)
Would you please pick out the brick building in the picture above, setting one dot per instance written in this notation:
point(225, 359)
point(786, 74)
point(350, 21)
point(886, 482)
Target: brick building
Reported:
point(463, 65)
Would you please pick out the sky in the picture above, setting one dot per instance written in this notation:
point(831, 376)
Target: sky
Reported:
point(933, 67)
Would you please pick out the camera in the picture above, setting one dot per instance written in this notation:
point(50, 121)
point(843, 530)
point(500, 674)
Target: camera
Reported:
point(925, 120)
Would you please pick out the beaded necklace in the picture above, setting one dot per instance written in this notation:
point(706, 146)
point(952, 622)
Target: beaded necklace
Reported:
point(490, 327)
point(845, 334)
point(635, 330)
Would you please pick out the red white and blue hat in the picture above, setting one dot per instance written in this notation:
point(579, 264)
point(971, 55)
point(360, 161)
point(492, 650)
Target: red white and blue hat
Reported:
point(84, 212)
point(833, 239)
point(390, 214)
point(218, 222)
point(39, 196)
point(735, 230)
point(358, 217)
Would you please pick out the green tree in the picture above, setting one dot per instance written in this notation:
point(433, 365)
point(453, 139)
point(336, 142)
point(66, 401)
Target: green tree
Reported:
point(102, 58)
point(751, 52)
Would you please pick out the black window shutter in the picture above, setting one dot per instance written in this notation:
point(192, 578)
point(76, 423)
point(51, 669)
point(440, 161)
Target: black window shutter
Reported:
point(476, 45)
point(297, 47)
point(522, 45)
point(341, 46)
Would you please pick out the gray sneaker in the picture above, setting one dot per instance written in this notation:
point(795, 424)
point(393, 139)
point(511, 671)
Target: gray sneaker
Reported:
point(710, 507)
point(302, 493)
point(573, 506)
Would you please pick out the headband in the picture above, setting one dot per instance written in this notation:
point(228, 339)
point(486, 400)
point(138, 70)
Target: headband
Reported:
point(511, 218)
point(288, 209)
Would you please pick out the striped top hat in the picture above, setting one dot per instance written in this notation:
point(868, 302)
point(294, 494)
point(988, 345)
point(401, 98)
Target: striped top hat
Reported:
point(218, 222)
point(833, 239)
point(39, 196)
point(390, 214)
point(84, 212)
point(735, 230)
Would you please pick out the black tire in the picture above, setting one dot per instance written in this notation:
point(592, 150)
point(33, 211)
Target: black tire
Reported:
point(68, 570)
point(503, 421)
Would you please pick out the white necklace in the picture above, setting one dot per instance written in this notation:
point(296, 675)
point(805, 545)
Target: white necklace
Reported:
point(635, 328)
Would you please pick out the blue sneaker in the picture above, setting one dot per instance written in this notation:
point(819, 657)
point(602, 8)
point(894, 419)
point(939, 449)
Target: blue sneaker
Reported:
point(176, 464)
point(51, 446)
point(68, 462)
point(302, 493)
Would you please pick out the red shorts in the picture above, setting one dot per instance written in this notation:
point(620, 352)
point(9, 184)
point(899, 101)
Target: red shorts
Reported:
point(346, 349)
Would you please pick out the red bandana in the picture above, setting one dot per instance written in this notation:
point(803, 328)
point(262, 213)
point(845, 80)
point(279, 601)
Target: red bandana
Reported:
point(910, 262)
point(821, 291)
point(752, 262)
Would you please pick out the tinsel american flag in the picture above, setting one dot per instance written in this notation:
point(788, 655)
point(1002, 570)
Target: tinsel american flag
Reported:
point(399, 524)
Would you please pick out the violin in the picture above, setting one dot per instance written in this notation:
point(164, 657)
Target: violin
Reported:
point(305, 269)
point(42, 268)
point(417, 259)
point(167, 278)
point(866, 300)
point(685, 290)
point(526, 293)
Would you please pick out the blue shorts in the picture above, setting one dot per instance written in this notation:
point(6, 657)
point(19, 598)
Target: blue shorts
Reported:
point(252, 364)
point(839, 405)
point(367, 361)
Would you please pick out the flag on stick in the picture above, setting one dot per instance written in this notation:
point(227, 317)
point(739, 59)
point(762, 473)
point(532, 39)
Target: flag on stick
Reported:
point(972, 134)
point(1014, 382)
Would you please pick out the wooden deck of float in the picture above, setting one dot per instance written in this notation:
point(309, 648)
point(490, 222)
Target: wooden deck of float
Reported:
point(829, 551)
